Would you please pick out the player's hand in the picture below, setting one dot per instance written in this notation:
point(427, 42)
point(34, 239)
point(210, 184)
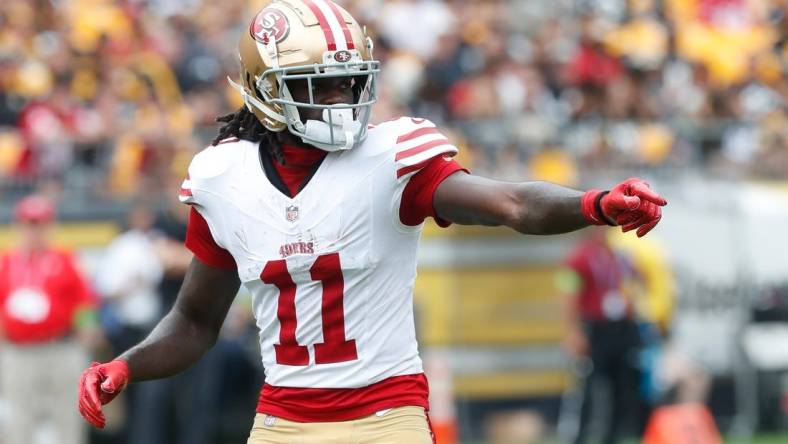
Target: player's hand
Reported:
point(632, 204)
point(99, 385)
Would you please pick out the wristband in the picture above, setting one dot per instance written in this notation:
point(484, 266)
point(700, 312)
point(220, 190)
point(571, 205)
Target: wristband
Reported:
point(598, 208)
point(590, 206)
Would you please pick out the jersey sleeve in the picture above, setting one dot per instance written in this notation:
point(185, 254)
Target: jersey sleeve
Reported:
point(417, 198)
point(423, 159)
point(419, 143)
point(200, 241)
point(202, 190)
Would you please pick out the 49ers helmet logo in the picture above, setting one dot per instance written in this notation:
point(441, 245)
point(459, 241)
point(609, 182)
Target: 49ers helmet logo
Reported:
point(270, 22)
point(342, 56)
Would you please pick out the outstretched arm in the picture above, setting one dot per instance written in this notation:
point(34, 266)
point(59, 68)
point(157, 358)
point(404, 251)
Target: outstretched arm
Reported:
point(543, 207)
point(177, 342)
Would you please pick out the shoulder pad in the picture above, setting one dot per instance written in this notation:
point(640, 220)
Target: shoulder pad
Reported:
point(215, 160)
point(209, 166)
point(418, 141)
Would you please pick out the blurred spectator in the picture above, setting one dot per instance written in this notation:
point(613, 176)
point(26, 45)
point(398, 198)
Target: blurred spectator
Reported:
point(45, 127)
point(186, 408)
point(170, 225)
point(48, 323)
point(415, 26)
point(128, 278)
point(600, 329)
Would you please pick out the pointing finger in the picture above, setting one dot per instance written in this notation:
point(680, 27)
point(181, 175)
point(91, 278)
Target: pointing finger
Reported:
point(642, 190)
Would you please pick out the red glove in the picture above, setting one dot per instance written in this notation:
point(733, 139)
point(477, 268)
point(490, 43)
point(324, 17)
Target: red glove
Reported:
point(631, 204)
point(99, 385)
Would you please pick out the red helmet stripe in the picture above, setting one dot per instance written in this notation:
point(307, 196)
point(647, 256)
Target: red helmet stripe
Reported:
point(332, 45)
point(341, 20)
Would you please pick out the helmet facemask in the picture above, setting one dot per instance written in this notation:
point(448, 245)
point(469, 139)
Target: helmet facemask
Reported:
point(343, 125)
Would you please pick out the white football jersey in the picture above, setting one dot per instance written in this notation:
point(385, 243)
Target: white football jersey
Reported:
point(332, 269)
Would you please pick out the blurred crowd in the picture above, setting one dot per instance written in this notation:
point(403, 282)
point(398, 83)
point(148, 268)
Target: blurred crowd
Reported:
point(112, 98)
point(106, 101)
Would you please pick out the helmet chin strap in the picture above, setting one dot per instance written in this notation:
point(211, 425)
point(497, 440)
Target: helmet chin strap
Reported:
point(338, 123)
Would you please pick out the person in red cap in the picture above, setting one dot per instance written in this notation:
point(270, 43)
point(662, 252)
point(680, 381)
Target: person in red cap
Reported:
point(46, 316)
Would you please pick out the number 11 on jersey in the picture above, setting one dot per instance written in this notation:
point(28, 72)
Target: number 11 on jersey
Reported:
point(335, 347)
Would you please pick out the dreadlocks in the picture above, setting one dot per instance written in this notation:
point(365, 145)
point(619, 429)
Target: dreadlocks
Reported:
point(244, 125)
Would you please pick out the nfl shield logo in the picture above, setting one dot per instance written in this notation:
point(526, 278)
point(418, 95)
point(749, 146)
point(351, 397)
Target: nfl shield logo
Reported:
point(291, 213)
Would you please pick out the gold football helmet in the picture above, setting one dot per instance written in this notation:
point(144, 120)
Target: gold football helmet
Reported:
point(307, 40)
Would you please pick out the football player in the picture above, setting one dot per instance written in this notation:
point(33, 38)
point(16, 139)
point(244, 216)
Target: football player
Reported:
point(319, 215)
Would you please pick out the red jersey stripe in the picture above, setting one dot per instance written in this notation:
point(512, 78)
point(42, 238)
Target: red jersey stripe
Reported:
point(341, 20)
point(421, 148)
point(332, 405)
point(332, 45)
point(185, 192)
point(417, 133)
point(409, 169)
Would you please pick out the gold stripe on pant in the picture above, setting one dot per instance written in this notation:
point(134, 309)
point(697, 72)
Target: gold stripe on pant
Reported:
point(401, 425)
